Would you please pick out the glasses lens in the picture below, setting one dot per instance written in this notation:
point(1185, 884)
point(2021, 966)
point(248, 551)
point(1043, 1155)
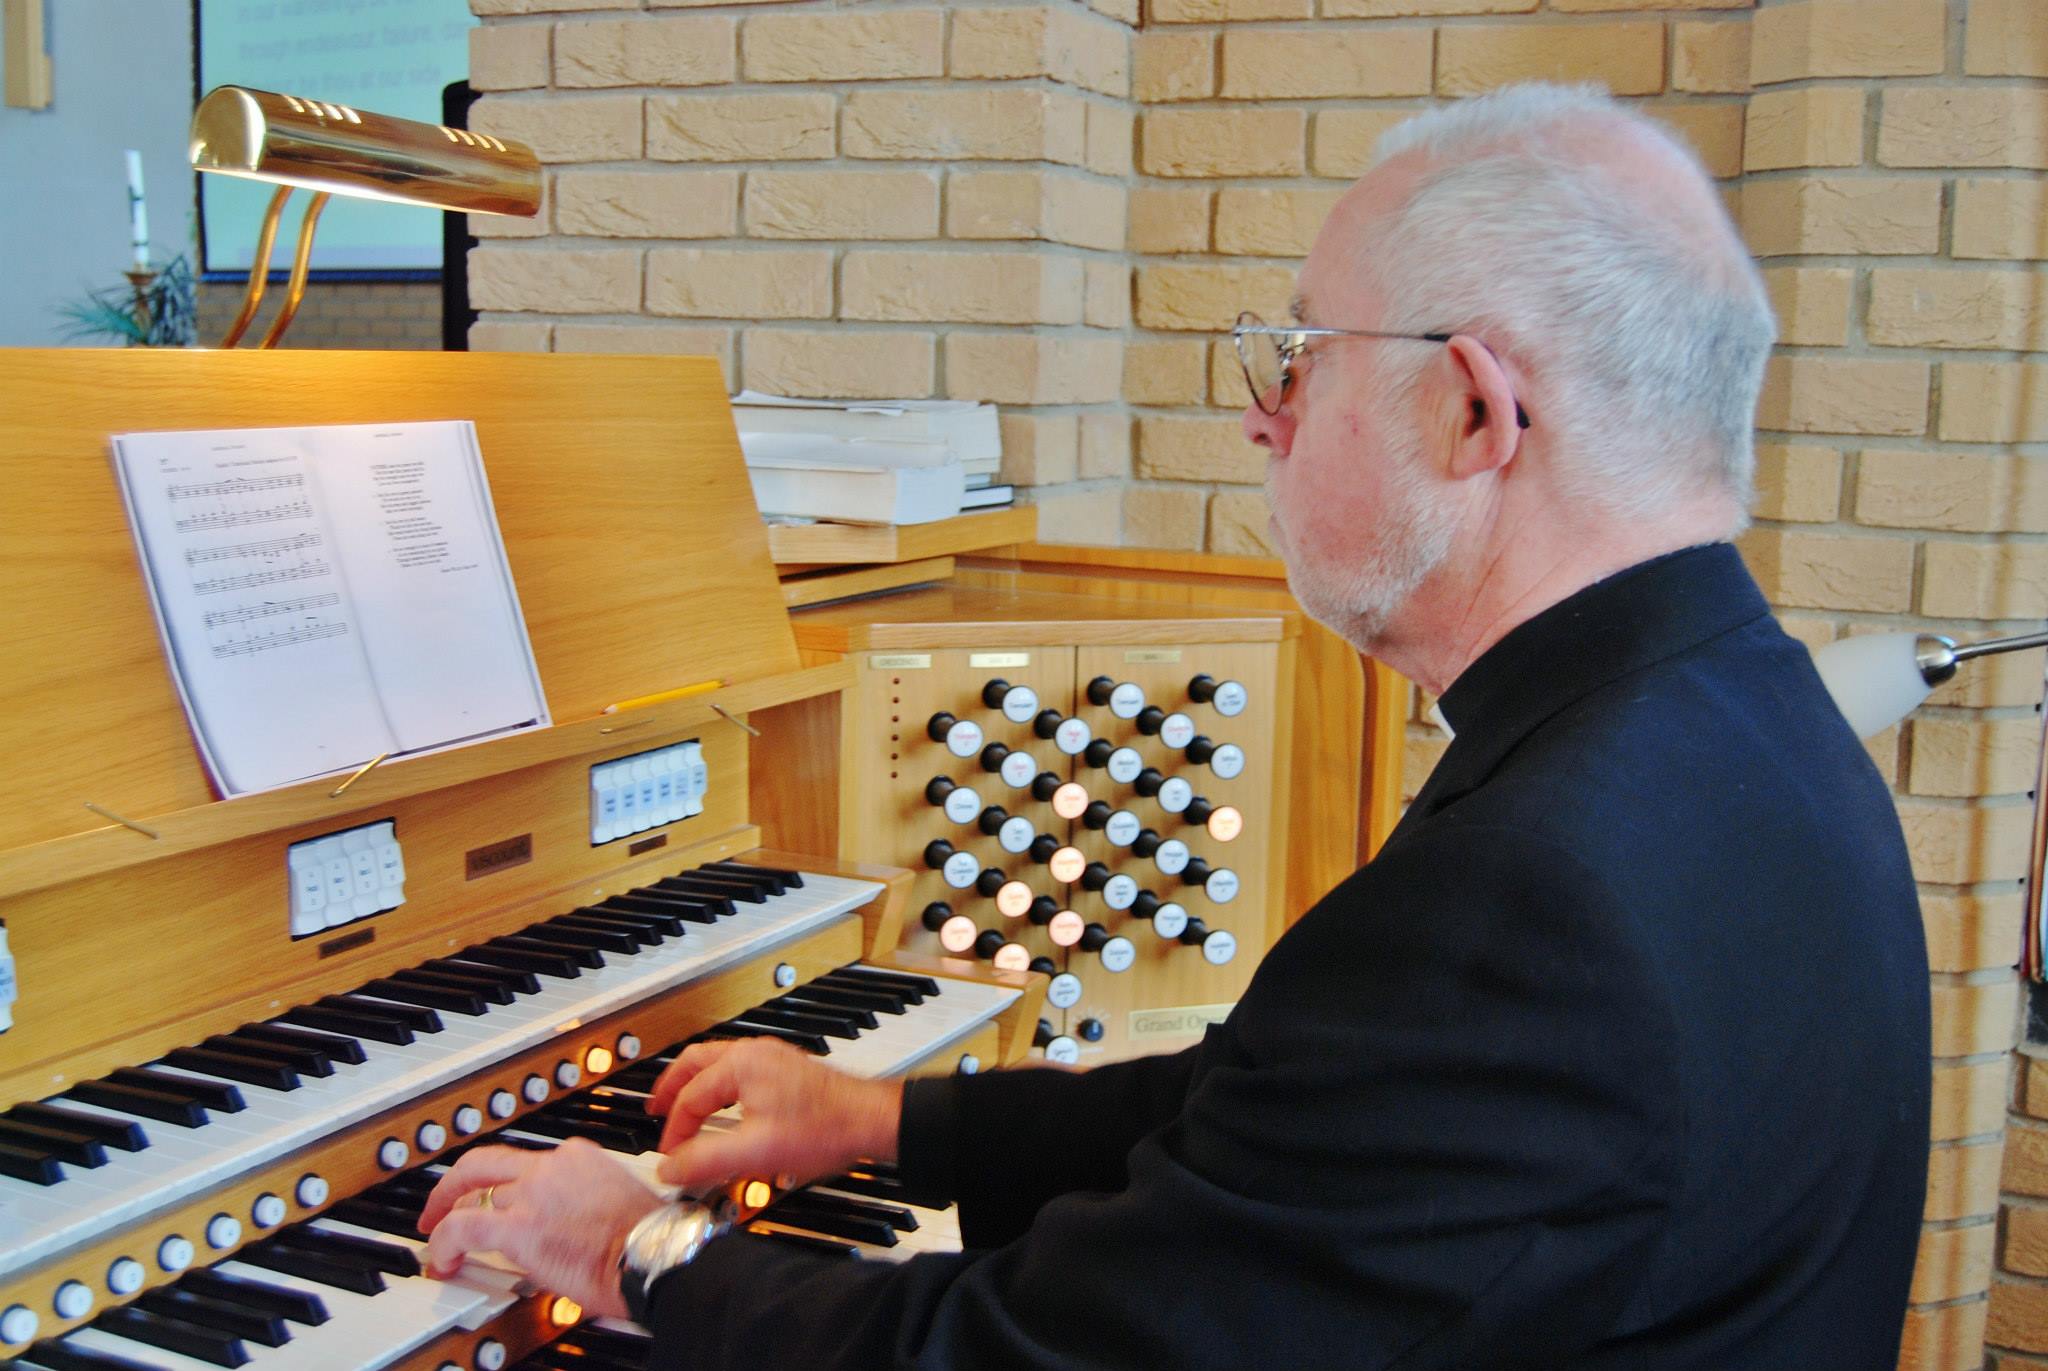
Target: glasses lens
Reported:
point(1260, 355)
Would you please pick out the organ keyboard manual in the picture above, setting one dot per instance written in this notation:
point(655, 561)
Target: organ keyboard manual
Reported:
point(328, 595)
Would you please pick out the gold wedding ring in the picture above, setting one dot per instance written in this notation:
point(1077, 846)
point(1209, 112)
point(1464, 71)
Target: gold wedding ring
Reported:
point(483, 1197)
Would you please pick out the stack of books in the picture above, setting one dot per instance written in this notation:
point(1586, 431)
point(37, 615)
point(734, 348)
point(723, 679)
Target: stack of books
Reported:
point(870, 461)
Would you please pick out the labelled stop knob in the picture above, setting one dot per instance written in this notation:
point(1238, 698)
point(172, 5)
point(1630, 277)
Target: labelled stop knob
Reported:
point(1097, 814)
point(1042, 909)
point(1044, 785)
point(935, 915)
point(936, 852)
point(938, 788)
point(1149, 720)
point(1043, 846)
point(1218, 945)
point(989, 881)
point(962, 737)
point(1044, 966)
point(1229, 696)
point(992, 693)
point(1095, 876)
point(1043, 1034)
point(1116, 952)
point(1098, 752)
point(1089, 1030)
point(1201, 748)
point(992, 820)
point(1100, 689)
point(992, 757)
point(939, 725)
point(1047, 723)
point(988, 944)
point(1202, 689)
point(1146, 843)
point(1148, 781)
point(1196, 872)
point(1199, 810)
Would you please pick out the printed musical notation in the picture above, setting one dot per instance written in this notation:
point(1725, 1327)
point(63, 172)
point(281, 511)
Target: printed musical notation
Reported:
point(236, 518)
point(287, 637)
point(236, 485)
point(270, 609)
point(269, 557)
point(310, 570)
point(272, 547)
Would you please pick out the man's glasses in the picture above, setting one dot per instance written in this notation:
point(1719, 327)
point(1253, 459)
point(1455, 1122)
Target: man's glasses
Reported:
point(1267, 354)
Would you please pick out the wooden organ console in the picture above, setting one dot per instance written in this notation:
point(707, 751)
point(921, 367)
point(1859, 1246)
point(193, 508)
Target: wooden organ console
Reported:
point(1079, 769)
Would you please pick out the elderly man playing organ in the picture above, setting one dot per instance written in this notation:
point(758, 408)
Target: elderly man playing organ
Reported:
point(1615, 1056)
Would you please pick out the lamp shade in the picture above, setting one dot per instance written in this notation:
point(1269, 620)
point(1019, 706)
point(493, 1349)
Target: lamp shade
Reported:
point(1877, 679)
point(291, 141)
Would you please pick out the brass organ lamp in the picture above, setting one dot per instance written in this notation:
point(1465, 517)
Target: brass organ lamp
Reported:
point(328, 149)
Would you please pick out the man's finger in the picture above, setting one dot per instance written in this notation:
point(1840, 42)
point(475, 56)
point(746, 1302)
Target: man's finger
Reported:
point(688, 1063)
point(472, 1228)
point(713, 1158)
point(473, 1171)
point(707, 1092)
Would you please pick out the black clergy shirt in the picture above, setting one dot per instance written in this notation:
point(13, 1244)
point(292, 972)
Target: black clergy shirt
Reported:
point(1615, 1056)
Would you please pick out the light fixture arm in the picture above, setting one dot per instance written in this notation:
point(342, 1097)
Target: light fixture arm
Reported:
point(259, 269)
point(1937, 655)
point(295, 291)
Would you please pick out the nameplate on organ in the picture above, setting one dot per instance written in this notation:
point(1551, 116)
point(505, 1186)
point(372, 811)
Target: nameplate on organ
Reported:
point(218, 1121)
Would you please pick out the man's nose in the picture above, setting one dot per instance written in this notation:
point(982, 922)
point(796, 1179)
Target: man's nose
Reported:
point(1274, 432)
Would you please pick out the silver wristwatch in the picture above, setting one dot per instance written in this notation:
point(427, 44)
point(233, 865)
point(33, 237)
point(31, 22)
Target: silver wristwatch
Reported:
point(667, 1238)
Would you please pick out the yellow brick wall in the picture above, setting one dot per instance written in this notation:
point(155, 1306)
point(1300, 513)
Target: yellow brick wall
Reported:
point(1057, 205)
point(378, 315)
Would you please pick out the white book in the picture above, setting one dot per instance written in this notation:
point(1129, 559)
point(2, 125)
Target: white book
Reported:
point(830, 450)
point(988, 497)
point(797, 488)
point(328, 594)
point(973, 431)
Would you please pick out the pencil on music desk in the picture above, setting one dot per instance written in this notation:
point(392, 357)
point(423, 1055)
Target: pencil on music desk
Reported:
point(663, 697)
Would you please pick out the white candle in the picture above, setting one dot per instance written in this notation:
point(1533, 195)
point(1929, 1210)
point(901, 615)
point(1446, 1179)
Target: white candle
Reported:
point(138, 217)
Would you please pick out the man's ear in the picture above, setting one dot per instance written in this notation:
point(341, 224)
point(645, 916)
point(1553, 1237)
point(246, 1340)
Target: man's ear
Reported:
point(1486, 433)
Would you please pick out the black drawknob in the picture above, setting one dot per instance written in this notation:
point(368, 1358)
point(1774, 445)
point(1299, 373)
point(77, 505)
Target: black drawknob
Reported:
point(1093, 937)
point(1097, 814)
point(1089, 1030)
point(992, 819)
point(1043, 846)
point(1149, 719)
point(1146, 843)
point(941, 724)
point(935, 853)
point(938, 788)
point(1044, 784)
point(1201, 748)
point(1199, 810)
point(992, 757)
point(1196, 872)
point(1044, 966)
point(989, 943)
point(1100, 689)
point(1202, 689)
point(1047, 723)
point(1144, 907)
point(936, 913)
point(1195, 934)
point(990, 881)
point(1043, 908)
point(1044, 1034)
point(992, 693)
point(1097, 752)
point(1149, 781)
point(1095, 876)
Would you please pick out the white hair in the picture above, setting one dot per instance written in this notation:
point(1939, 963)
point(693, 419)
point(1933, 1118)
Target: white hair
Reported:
point(1643, 316)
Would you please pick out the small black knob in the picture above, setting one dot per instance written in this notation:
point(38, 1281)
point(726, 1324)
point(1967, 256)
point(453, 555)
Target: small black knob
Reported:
point(1202, 689)
point(1146, 905)
point(989, 881)
point(1043, 846)
point(941, 724)
point(1201, 748)
point(1097, 752)
point(1044, 966)
point(989, 943)
point(936, 913)
point(1195, 934)
point(1047, 723)
point(1044, 1034)
point(1095, 876)
point(992, 819)
point(1199, 810)
point(1196, 872)
point(1149, 719)
point(1100, 689)
point(992, 757)
point(935, 853)
point(938, 788)
point(1089, 1030)
point(1146, 843)
point(992, 693)
point(1097, 814)
point(1149, 781)
point(1043, 908)
point(1044, 784)
point(1093, 937)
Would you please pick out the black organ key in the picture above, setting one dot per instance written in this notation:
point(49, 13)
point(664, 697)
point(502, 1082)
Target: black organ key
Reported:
point(400, 1221)
point(117, 1133)
point(182, 1109)
point(863, 1181)
point(809, 1042)
point(33, 1165)
point(281, 1300)
point(824, 1247)
point(906, 980)
point(511, 978)
point(330, 1046)
point(524, 959)
point(896, 1216)
point(76, 1148)
point(306, 1061)
point(766, 882)
point(416, 1017)
point(856, 1227)
point(579, 953)
point(830, 1025)
point(601, 937)
point(660, 898)
point(787, 879)
point(604, 1135)
point(723, 887)
point(804, 1002)
point(357, 1025)
point(222, 1316)
point(214, 1095)
point(489, 991)
point(647, 930)
point(296, 1261)
point(233, 1066)
point(58, 1355)
point(879, 1000)
point(371, 1254)
point(174, 1335)
point(667, 922)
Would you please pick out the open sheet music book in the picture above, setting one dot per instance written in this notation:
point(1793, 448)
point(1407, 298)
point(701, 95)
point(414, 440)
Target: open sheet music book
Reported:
point(327, 595)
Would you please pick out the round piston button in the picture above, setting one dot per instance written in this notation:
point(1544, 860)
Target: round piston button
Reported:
point(501, 1104)
point(311, 1191)
point(1089, 1030)
point(534, 1088)
point(268, 1211)
point(392, 1154)
point(468, 1119)
point(490, 1355)
point(19, 1324)
point(174, 1253)
point(223, 1230)
point(73, 1301)
point(124, 1277)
